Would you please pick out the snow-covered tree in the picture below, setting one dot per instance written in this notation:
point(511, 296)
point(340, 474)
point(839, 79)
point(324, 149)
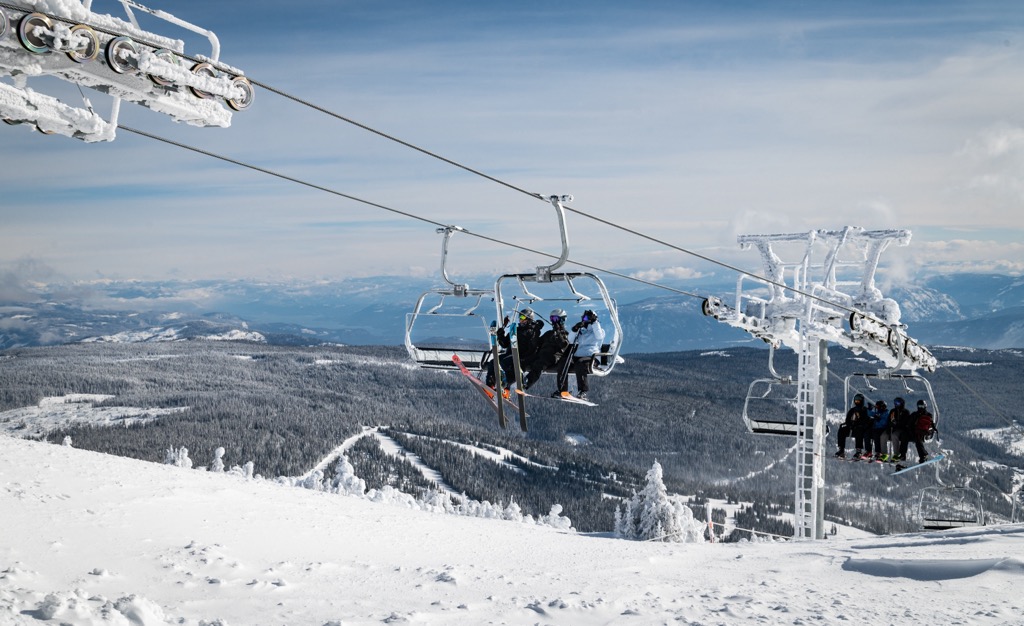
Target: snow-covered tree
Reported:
point(513, 512)
point(218, 460)
point(178, 457)
point(556, 519)
point(346, 481)
point(654, 515)
point(246, 471)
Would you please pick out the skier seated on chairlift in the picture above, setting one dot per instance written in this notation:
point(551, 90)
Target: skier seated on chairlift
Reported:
point(918, 427)
point(527, 336)
point(551, 347)
point(589, 339)
point(855, 425)
point(878, 418)
point(887, 443)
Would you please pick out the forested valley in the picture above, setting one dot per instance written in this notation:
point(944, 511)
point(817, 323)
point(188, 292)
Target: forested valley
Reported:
point(286, 408)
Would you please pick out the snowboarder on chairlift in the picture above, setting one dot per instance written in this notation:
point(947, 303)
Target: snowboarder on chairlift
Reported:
point(527, 336)
point(589, 340)
point(550, 348)
point(855, 426)
point(918, 427)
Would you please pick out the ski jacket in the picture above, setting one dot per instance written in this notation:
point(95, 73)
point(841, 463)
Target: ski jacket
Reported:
point(899, 417)
point(527, 335)
point(921, 421)
point(857, 416)
point(880, 419)
point(552, 345)
point(589, 339)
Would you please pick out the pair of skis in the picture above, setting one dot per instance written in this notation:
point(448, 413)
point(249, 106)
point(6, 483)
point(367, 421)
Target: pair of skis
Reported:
point(491, 395)
point(499, 388)
point(496, 395)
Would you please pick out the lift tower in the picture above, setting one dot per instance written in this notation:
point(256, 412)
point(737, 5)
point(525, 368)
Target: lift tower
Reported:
point(826, 293)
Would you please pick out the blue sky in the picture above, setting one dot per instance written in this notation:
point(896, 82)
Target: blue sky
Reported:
point(690, 121)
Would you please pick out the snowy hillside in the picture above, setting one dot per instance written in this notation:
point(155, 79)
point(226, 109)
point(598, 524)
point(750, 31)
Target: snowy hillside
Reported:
point(96, 539)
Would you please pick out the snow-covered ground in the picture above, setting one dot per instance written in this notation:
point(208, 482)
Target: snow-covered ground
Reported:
point(89, 538)
point(54, 413)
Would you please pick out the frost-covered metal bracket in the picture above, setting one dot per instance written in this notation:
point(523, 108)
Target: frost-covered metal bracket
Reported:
point(114, 56)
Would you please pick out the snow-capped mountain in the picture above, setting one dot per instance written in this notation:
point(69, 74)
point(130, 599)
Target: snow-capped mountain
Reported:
point(979, 311)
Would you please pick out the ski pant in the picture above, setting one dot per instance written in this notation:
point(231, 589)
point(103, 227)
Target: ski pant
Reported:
point(536, 368)
point(508, 370)
point(889, 442)
point(908, 435)
point(582, 365)
point(845, 431)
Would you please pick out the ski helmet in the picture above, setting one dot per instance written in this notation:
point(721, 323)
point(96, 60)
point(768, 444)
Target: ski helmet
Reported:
point(526, 314)
point(589, 316)
point(921, 404)
point(898, 401)
point(881, 404)
point(558, 315)
point(858, 399)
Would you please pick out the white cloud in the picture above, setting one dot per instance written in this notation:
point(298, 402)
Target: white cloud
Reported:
point(657, 274)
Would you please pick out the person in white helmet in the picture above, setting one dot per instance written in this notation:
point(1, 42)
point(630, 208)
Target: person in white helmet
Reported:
point(589, 338)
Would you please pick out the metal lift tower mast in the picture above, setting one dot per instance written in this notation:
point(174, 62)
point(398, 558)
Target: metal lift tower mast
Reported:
point(826, 293)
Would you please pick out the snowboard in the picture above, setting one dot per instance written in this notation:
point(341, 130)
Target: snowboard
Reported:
point(900, 468)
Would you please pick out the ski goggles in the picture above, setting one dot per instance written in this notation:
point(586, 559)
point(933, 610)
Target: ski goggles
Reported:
point(555, 319)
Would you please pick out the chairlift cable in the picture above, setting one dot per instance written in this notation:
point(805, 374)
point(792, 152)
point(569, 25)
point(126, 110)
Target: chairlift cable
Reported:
point(376, 205)
point(540, 197)
point(466, 168)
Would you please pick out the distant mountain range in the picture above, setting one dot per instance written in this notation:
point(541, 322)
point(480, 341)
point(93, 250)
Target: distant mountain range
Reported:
point(973, 310)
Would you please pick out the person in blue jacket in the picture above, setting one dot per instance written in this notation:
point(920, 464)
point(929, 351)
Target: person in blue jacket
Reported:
point(878, 417)
point(589, 340)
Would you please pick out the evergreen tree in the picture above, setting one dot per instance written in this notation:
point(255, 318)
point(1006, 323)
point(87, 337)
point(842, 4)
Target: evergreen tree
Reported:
point(346, 481)
point(178, 457)
point(218, 460)
point(654, 515)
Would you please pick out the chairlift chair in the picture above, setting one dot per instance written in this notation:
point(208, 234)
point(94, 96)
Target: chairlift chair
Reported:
point(770, 405)
point(453, 315)
point(568, 297)
point(874, 391)
point(944, 507)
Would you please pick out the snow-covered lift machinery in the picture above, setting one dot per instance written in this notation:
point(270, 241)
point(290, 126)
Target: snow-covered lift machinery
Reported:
point(448, 322)
point(804, 304)
point(569, 296)
point(65, 39)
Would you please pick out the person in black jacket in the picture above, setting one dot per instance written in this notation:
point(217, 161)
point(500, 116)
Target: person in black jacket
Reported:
point(918, 427)
point(527, 336)
point(856, 424)
point(890, 436)
point(550, 348)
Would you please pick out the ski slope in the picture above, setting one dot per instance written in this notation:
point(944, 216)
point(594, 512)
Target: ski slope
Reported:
point(96, 539)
